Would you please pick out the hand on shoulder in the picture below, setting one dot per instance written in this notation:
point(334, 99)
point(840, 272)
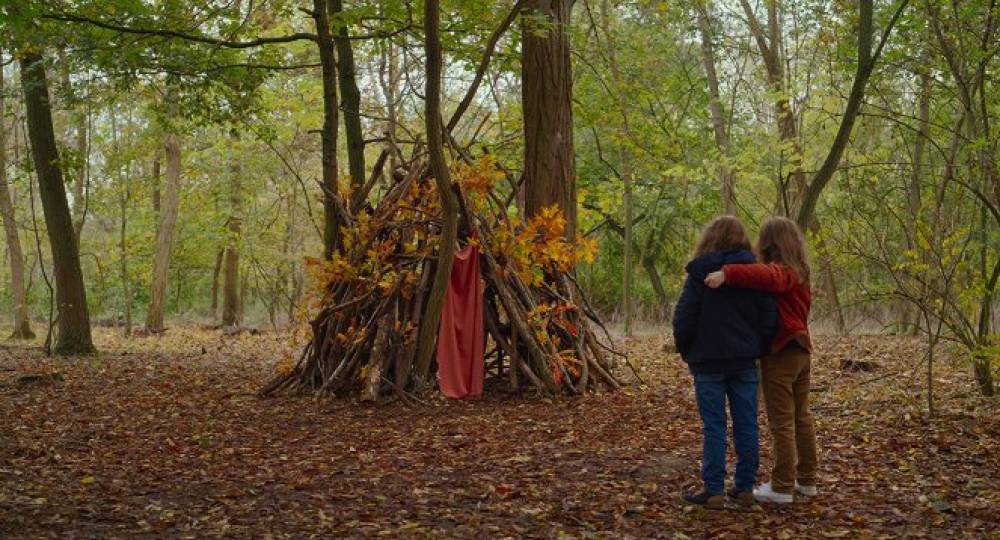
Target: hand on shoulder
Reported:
point(715, 279)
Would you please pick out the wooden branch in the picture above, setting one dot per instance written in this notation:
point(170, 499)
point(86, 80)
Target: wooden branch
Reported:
point(866, 64)
point(68, 17)
point(484, 63)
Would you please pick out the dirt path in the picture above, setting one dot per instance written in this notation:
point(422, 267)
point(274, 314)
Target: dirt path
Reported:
point(163, 438)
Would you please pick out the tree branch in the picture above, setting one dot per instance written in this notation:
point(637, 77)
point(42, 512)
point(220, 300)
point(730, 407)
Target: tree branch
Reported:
point(69, 17)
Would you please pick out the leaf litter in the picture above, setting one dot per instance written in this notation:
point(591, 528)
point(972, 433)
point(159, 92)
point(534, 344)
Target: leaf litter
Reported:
point(164, 437)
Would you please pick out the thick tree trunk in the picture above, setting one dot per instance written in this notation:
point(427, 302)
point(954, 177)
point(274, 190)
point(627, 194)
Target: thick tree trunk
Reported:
point(22, 325)
point(715, 109)
point(231, 263)
point(71, 296)
point(430, 321)
point(166, 225)
point(351, 97)
point(546, 92)
point(328, 67)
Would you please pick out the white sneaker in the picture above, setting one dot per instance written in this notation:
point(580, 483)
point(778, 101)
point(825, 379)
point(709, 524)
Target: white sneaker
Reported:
point(765, 494)
point(808, 491)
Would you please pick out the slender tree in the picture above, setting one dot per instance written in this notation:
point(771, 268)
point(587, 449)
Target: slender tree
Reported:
point(449, 203)
point(715, 107)
point(231, 259)
point(22, 325)
point(351, 96)
point(71, 297)
point(165, 230)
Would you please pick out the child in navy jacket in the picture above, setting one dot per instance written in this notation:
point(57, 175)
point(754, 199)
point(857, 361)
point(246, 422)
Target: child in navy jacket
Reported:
point(720, 333)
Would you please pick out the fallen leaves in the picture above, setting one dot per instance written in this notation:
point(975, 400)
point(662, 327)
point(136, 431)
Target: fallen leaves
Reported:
point(157, 438)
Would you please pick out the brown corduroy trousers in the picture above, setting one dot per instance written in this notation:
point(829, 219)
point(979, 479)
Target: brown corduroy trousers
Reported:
point(785, 384)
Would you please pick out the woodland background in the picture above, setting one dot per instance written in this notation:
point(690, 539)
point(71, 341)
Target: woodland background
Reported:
point(672, 103)
point(201, 149)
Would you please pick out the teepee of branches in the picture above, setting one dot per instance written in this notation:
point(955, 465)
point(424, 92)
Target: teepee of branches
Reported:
point(370, 297)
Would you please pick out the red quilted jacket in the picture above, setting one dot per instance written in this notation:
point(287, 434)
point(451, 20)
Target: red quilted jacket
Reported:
point(794, 298)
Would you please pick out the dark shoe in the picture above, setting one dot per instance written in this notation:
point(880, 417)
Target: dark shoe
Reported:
point(712, 502)
point(741, 500)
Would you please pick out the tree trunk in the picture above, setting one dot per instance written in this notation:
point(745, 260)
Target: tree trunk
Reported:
point(910, 322)
point(546, 93)
point(351, 97)
point(770, 43)
point(217, 269)
point(71, 296)
point(231, 263)
point(328, 67)
point(625, 157)
point(389, 82)
point(430, 321)
point(166, 226)
point(122, 245)
point(22, 325)
point(866, 64)
point(715, 109)
point(156, 184)
point(80, 185)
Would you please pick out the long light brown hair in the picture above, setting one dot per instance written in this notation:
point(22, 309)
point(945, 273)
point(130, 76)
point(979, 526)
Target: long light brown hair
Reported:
point(781, 241)
point(724, 232)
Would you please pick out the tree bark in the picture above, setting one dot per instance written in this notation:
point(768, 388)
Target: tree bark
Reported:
point(71, 296)
point(156, 184)
point(430, 321)
point(216, 270)
point(22, 325)
point(328, 67)
point(715, 109)
point(166, 226)
point(231, 262)
point(350, 97)
point(546, 93)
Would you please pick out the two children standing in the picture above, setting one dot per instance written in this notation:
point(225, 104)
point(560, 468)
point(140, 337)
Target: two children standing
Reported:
point(732, 311)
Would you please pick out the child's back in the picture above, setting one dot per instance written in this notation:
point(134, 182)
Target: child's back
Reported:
point(720, 333)
point(726, 329)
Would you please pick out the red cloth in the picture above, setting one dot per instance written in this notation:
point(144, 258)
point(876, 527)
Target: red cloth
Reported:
point(461, 343)
point(794, 298)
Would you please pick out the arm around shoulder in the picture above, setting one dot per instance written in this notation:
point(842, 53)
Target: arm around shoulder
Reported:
point(774, 278)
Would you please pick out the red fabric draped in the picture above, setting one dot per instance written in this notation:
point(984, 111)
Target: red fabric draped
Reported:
point(460, 338)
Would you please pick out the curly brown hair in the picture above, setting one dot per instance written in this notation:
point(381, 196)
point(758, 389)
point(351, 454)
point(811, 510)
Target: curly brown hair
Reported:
point(781, 241)
point(724, 232)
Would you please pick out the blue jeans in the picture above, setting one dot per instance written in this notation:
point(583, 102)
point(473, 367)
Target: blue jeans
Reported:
point(711, 390)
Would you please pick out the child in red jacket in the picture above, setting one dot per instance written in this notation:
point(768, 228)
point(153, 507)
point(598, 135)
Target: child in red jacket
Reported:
point(785, 371)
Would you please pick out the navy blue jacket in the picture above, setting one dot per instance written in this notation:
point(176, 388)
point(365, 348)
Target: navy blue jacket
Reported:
point(725, 329)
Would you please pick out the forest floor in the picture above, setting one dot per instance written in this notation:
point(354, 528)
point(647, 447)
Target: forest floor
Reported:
point(163, 437)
